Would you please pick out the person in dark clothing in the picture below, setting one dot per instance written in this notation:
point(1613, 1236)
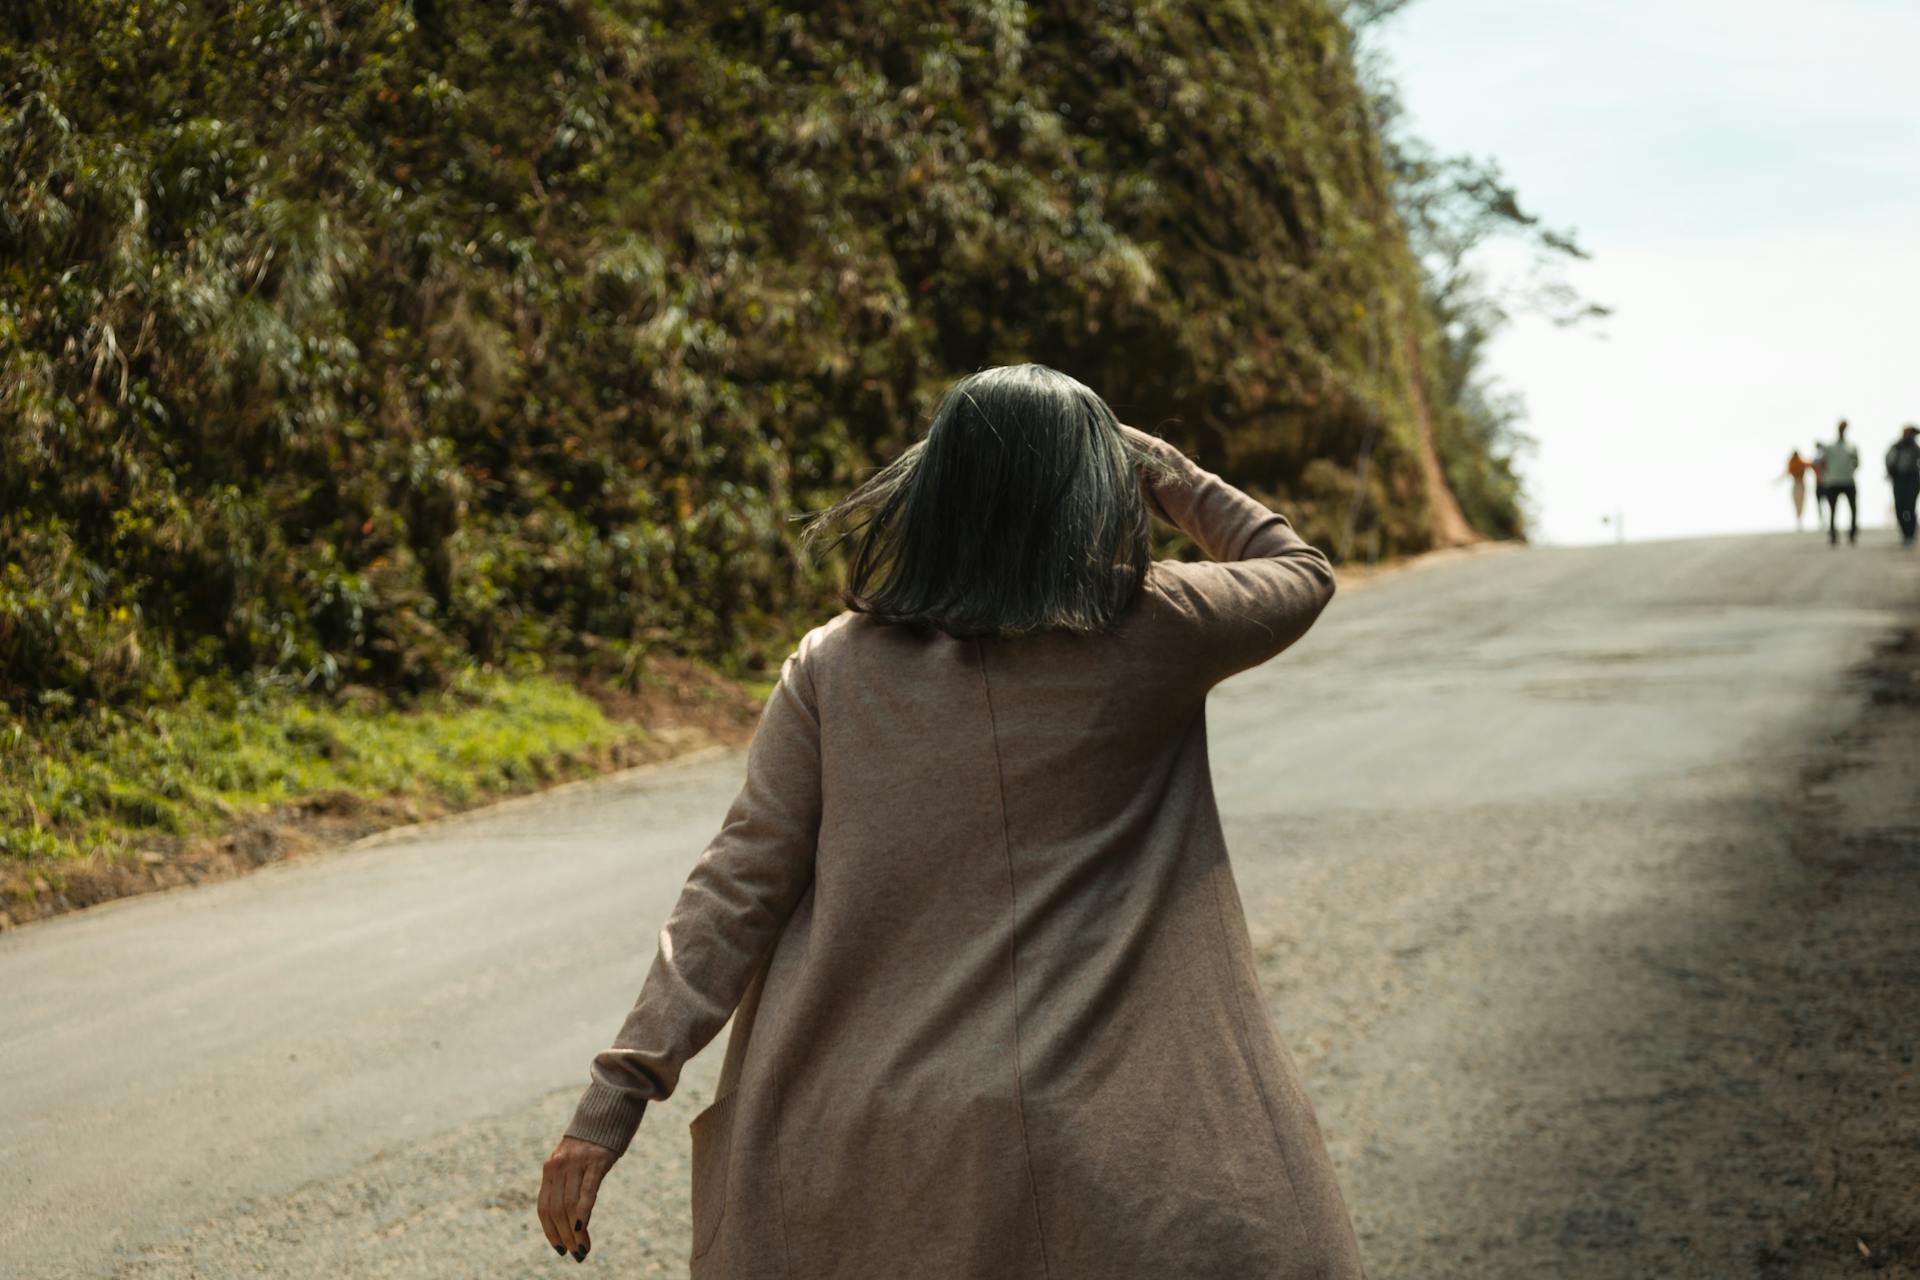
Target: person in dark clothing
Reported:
point(1903, 469)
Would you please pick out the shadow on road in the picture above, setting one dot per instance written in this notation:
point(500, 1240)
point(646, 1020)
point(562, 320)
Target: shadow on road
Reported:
point(1671, 1036)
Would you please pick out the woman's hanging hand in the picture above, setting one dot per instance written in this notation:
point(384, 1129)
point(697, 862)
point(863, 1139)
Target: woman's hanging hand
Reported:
point(569, 1184)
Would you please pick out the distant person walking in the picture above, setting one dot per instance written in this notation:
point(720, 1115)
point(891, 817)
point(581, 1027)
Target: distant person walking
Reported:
point(1797, 468)
point(1903, 470)
point(1839, 462)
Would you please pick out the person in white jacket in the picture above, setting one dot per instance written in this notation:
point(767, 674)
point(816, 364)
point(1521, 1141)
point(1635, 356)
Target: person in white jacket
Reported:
point(1839, 462)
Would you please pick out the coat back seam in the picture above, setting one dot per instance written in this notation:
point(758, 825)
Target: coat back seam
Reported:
point(1013, 956)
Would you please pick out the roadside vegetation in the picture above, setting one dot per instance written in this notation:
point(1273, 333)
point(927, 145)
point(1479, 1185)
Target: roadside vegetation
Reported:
point(359, 357)
point(181, 768)
point(230, 776)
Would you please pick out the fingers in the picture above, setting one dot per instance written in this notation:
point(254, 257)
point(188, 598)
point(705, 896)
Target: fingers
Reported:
point(569, 1186)
point(1144, 439)
point(582, 1210)
point(548, 1207)
point(573, 1227)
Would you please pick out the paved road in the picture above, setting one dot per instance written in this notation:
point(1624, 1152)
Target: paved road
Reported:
point(1540, 849)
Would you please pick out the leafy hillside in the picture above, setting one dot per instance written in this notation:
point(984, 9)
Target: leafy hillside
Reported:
point(353, 342)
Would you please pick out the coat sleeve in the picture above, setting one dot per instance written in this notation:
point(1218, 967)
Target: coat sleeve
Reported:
point(722, 930)
point(1264, 585)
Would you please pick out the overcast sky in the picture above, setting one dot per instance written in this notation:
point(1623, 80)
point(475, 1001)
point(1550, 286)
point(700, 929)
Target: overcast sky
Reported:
point(1746, 174)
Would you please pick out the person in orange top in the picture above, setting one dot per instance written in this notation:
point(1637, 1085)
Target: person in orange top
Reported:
point(1797, 468)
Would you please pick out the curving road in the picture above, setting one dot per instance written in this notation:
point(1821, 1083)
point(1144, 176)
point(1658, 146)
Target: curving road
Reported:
point(1584, 881)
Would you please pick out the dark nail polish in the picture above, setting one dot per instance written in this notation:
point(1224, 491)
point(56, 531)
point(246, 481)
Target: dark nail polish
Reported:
point(579, 1225)
point(561, 1250)
point(580, 1256)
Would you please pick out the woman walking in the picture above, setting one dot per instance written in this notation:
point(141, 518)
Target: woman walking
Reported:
point(1797, 469)
point(995, 1007)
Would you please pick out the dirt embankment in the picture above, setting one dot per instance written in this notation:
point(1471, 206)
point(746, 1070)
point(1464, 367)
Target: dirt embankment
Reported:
point(1450, 525)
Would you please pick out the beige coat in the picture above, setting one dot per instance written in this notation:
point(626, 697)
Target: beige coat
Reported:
point(995, 1008)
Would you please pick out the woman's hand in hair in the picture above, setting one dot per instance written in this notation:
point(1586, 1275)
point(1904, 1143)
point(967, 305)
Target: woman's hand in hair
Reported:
point(1140, 439)
point(569, 1184)
point(1159, 463)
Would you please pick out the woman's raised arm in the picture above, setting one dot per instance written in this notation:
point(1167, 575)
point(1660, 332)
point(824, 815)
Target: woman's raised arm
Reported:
point(1264, 585)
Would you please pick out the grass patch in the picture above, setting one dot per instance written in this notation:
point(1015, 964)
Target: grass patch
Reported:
point(109, 787)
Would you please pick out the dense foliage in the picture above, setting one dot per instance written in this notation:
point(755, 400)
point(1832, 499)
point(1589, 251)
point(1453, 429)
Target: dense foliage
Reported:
point(355, 341)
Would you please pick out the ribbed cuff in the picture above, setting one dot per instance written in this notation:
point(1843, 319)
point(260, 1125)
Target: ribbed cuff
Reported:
point(607, 1117)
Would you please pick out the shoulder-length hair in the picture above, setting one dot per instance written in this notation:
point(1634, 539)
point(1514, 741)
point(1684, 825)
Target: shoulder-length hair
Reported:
point(1021, 511)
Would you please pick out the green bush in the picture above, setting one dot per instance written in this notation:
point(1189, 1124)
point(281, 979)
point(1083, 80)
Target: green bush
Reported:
point(101, 784)
point(359, 342)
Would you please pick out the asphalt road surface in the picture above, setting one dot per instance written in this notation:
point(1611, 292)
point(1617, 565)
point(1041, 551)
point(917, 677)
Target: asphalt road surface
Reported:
point(1585, 883)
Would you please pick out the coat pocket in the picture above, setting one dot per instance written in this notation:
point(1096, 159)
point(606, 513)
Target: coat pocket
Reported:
point(712, 1133)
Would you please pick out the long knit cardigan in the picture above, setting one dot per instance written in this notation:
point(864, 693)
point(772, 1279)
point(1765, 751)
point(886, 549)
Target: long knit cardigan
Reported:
point(995, 1009)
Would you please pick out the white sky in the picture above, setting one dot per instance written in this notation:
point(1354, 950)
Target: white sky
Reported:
point(1746, 174)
